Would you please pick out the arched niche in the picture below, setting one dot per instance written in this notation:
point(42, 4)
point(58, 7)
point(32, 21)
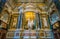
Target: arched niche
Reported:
point(14, 21)
point(29, 15)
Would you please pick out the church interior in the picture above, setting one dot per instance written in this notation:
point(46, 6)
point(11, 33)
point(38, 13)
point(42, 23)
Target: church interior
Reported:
point(29, 19)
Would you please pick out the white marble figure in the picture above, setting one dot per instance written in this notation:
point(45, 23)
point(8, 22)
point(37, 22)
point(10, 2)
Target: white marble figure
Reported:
point(45, 22)
point(30, 23)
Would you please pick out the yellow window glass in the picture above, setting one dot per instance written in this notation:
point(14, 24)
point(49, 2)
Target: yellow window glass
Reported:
point(29, 15)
